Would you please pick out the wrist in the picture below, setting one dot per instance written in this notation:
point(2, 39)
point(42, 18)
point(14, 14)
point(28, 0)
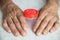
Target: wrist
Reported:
point(52, 2)
point(4, 2)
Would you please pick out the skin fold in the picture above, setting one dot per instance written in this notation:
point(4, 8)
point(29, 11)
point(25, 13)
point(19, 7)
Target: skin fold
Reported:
point(14, 21)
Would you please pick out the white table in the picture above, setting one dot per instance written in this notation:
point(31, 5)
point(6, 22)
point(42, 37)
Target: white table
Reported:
point(37, 4)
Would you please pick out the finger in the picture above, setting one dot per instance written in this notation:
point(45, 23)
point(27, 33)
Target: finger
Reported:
point(18, 25)
point(50, 25)
point(23, 22)
point(55, 27)
point(12, 27)
point(43, 24)
point(41, 17)
point(6, 27)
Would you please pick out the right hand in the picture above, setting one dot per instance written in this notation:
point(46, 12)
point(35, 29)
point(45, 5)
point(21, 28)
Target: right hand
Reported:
point(48, 20)
point(13, 20)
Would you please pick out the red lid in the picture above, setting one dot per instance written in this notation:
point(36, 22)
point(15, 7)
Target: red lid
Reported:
point(31, 13)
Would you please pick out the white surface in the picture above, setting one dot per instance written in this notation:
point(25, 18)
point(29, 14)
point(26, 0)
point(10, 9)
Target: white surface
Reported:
point(37, 4)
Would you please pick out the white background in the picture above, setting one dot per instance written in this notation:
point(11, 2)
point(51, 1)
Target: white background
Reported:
point(23, 4)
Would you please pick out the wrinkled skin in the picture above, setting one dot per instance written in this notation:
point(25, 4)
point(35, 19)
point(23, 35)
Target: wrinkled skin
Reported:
point(48, 20)
point(13, 20)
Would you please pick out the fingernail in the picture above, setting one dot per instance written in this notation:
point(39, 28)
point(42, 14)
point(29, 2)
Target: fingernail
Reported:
point(33, 30)
point(51, 30)
point(24, 34)
point(38, 34)
point(9, 31)
point(44, 33)
point(25, 28)
point(17, 34)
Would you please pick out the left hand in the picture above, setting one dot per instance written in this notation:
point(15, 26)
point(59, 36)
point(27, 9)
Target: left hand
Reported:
point(13, 20)
point(48, 19)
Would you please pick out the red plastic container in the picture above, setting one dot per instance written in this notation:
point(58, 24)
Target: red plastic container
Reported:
point(31, 16)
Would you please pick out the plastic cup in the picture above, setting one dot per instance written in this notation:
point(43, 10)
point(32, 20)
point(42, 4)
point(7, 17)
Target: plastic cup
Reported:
point(31, 16)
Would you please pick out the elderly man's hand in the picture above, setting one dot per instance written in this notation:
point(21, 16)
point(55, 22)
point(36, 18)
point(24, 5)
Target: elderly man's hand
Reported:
point(13, 19)
point(48, 19)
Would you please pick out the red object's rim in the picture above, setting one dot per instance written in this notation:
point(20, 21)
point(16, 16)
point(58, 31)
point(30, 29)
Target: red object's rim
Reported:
point(31, 13)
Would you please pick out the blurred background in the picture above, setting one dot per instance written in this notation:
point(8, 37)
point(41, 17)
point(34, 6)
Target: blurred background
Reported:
point(24, 4)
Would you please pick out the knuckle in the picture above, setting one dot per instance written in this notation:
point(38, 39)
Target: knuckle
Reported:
point(3, 23)
point(55, 18)
point(45, 21)
point(16, 22)
point(10, 23)
point(39, 19)
point(19, 16)
point(14, 30)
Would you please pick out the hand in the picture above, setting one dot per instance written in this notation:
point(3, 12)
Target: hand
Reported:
point(48, 20)
point(13, 20)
